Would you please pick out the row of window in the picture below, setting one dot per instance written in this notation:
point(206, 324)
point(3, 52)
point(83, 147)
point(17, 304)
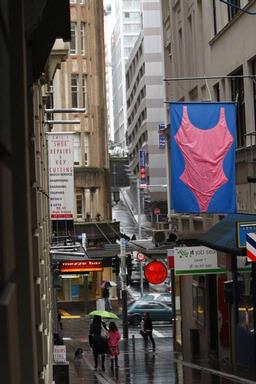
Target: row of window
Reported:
point(137, 81)
point(79, 91)
point(133, 66)
point(140, 120)
point(77, 42)
point(140, 97)
point(77, 1)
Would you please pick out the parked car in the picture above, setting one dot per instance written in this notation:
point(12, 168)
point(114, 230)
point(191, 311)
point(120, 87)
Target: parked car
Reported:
point(158, 311)
point(165, 297)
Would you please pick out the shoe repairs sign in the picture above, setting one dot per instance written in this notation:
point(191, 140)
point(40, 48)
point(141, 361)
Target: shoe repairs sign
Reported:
point(196, 261)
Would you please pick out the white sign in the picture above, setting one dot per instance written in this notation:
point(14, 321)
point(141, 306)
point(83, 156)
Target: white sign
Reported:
point(59, 353)
point(195, 261)
point(61, 175)
point(140, 256)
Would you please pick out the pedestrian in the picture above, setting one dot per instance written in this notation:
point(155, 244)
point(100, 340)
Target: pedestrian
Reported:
point(97, 342)
point(147, 330)
point(114, 337)
point(105, 295)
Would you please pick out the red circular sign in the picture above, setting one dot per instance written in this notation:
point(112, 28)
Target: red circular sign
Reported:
point(140, 256)
point(155, 272)
point(157, 211)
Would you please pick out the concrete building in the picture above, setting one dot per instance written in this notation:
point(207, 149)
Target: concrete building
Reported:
point(145, 102)
point(80, 83)
point(125, 33)
point(210, 46)
point(28, 32)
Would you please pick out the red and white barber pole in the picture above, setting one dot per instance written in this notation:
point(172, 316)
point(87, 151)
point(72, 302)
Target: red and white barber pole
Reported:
point(251, 246)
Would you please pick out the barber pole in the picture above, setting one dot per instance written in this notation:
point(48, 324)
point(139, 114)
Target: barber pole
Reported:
point(251, 246)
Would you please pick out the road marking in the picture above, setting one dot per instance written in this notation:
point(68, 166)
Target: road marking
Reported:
point(102, 377)
point(66, 315)
point(67, 338)
point(157, 333)
point(214, 372)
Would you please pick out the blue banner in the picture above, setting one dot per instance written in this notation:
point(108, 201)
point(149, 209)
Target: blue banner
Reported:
point(203, 157)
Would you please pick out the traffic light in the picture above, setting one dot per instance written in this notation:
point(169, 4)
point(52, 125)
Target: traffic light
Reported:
point(142, 173)
point(116, 265)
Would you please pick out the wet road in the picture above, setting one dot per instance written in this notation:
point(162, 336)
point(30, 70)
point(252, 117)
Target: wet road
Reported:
point(136, 365)
point(128, 225)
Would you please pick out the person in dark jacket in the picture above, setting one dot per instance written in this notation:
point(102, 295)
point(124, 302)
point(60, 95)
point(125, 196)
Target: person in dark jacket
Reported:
point(97, 342)
point(147, 329)
point(105, 295)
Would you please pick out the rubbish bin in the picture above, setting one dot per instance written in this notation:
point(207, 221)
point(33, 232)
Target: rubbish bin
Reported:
point(61, 373)
point(194, 341)
point(100, 305)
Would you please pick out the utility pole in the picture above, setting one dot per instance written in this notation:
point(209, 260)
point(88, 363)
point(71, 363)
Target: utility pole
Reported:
point(138, 206)
point(123, 286)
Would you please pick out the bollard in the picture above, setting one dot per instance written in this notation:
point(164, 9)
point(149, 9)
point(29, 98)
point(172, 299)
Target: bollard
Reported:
point(133, 343)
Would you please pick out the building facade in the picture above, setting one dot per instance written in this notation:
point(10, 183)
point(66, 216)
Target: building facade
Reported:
point(145, 102)
point(209, 46)
point(125, 33)
point(26, 312)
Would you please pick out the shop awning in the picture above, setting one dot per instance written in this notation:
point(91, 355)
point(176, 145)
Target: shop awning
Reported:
point(223, 235)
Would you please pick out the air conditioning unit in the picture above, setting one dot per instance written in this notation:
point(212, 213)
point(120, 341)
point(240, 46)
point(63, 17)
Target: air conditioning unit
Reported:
point(160, 237)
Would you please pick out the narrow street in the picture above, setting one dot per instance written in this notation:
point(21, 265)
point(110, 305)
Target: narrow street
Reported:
point(136, 365)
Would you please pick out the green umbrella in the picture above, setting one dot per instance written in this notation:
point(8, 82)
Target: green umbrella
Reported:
point(104, 314)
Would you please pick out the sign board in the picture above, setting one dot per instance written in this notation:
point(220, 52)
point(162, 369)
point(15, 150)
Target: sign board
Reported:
point(170, 258)
point(140, 256)
point(196, 261)
point(59, 353)
point(242, 229)
point(61, 175)
point(142, 158)
point(77, 266)
point(251, 246)
point(162, 141)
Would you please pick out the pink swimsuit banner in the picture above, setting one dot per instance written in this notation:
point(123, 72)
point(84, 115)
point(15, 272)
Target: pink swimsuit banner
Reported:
point(203, 157)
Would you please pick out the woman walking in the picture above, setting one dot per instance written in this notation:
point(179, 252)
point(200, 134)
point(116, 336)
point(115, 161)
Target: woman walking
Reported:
point(97, 342)
point(114, 337)
point(147, 330)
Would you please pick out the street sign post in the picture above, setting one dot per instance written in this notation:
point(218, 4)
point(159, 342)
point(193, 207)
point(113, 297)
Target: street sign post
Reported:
point(140, 257)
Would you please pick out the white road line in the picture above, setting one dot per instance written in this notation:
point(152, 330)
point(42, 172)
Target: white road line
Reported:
point(157, 333)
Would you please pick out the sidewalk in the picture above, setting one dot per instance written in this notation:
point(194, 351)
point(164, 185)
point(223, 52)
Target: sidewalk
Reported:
point(137, 365)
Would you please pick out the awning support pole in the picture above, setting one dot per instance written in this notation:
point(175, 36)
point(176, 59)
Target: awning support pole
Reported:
point(254, 305)
point(234, 308)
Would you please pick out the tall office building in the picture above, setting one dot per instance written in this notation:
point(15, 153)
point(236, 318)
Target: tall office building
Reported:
point(124, 36)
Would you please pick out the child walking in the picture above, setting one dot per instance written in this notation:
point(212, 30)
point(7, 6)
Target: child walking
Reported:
point(114, 337)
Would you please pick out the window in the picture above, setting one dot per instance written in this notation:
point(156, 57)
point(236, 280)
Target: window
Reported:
point(77, 149)
point(127, 15)
point(82, 38)
point(82, 1)
point(84, 92)
point(79, 206)
point(86, 150)
point(254, 89)
point(198, 303)
point(73, 39)
point(232, 10)
point(214, 17)
point(237, 92)
point(74, 90)
point(216, 89)
point(72, 1)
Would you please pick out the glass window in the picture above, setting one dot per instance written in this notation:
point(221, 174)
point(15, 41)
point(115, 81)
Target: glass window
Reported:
point(127, 15)
point(74, 90)
point(77, 149)
point(73, 39)
point(82, 38)
point(84, 92)
point(232, 8)
point(254, 89)
point(237, 92)
point(86, 149)
point(198, 304)
point(79, 206)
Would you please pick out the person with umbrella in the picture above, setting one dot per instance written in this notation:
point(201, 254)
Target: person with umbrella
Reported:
point(105, 295)
point(97, 342)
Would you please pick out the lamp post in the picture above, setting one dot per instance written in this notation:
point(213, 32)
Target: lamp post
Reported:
point(122, 256)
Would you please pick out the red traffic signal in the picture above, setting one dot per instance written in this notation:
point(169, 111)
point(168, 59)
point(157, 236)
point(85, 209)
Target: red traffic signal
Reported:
point(142, 173)
point(155, 272)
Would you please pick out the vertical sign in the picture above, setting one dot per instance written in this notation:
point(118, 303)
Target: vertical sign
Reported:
point(61, 175)
point(142, 164)
point(161, 128)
